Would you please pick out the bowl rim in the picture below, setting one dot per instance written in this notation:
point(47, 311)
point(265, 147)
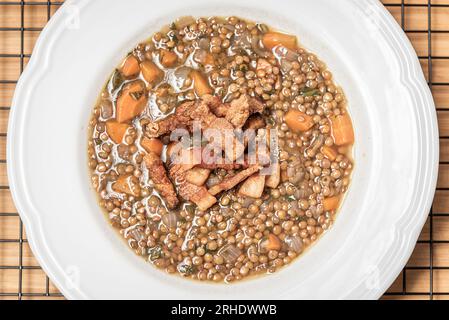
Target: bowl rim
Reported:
point(412, 78)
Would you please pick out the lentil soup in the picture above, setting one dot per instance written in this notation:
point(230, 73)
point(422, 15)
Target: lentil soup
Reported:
point(220, 221)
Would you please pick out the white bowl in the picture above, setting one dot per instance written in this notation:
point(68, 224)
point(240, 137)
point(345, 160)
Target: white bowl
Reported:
point(396, 152)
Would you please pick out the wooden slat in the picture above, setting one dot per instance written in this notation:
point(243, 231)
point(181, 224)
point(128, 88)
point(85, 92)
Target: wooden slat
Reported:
point(9, 228)
point(443, 123)
point(2, 148)
point(441, 201)
point(9, 255)
point(6, 203)
point(6, 92)
point(441, 229)
point(4, 115)
point(440, 255)
point(3, 175)
point(443, 177)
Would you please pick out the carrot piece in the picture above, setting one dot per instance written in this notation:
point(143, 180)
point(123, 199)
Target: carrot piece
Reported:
point(116, 131)
point(329, 153)
point(331, 204)
point(200, 84)
point(168, 58)
point(342, 130)
point(132, 101)
point(273, 243)
point(273, 39)
point(298, 121)
point(130, 66)
point(128, 184)
point(152, 145)
point(150, 71)
point(209, 60)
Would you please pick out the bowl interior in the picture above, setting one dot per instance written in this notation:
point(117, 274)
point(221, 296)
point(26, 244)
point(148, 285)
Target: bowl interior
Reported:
point(89, 254)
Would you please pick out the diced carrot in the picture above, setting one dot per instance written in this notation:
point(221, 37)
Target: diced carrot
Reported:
point(132, 101)
point(273, 243)
point(273, 39)
point(329, 153)
point(342, 130)
point(168, 58)
point(116, 131)
point(130, 66)
point(150, 71)
point(152, 145)
point(128, 184)
point(200, 84)
point(298, 121)
point(331, 204)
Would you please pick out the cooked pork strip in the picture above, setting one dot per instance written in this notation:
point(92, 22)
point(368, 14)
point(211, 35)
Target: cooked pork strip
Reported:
point(197, 194)
point(162, 183)
point(187, 190)
point(235, 180)
point(189, 112)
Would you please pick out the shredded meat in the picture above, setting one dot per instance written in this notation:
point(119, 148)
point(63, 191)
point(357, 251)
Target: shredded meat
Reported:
point(160, 179)
point(187, 190)
point(238, 111)
point(185, 115)
point(233, 181)
point(255, 122)
point(180, 120)
point(197, 194)
point(225, 166)
point(241, 108)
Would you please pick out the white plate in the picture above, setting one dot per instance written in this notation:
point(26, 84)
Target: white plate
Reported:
point(396, 150)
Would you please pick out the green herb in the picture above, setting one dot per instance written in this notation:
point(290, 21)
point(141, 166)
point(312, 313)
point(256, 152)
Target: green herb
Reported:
point(116, 80)
point(263, 28)
point(309, 92)
point(271, 121)
point(300, 219)
point(136, 95)
point(290, 198)
point(186, 269)
point(155, 253)
point(98, 141)
point(190, 208)
point(243, 68)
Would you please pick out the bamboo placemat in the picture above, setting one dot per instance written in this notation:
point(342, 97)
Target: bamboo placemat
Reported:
point(427, 273)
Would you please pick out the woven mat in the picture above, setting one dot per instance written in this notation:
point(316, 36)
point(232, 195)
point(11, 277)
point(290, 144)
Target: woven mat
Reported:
point(426, 23)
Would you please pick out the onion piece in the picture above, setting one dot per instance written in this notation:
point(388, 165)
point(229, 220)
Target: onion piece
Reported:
point(136, 234)
point(294, 244)
point(204, 43)
point(180, 77)
point(230, 253)
point(212, 181)
point(170, 220)
point(257, 48)
point(281, 52)
point(183, 22)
